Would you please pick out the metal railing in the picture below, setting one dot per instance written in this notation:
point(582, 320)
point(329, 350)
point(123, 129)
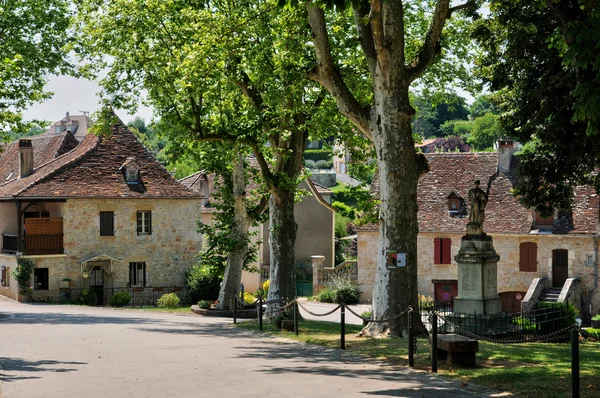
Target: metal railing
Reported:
point(140, 296)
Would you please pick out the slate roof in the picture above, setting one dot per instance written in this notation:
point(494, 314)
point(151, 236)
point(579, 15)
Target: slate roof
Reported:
point(45, 148)
point(91, 170)
point(504, 214)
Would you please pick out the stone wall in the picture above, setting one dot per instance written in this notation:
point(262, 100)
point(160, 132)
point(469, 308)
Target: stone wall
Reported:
point(506, 245)
point(168, 251)
point(12, 289)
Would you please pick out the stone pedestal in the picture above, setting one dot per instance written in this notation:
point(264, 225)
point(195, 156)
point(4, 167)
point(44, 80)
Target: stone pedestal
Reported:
point(477, 276)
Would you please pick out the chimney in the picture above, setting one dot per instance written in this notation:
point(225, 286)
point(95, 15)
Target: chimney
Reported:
point(67, 116)
point(25, 158)
point(505, 154)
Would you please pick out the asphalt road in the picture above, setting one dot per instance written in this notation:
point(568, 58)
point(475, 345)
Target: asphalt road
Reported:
point(72, 351)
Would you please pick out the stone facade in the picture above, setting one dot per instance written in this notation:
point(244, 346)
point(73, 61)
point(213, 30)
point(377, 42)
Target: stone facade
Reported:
point(167, 251)
point(510, 279)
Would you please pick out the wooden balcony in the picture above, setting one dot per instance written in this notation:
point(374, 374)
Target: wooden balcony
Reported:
point(42, 236)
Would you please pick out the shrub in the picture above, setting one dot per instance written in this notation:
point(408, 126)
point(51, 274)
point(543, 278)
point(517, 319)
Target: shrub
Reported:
point(88, 297)
point(367, 314)
point(344, 210)
point(169, 300)
point(204, 304)
point(318, 154)
point(201, 285)
point(249, 298)
point(324, 164)
point(596, 317)
point(266, 285)
point(23, 275)
point(326, 296)
point(309, 163)
point(260, 293)
point(345, 290)
point(120, 299)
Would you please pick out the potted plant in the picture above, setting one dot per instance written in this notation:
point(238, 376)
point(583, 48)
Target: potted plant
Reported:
point(596, 321)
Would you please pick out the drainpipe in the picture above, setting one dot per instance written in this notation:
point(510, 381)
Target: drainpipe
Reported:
point(595, 275)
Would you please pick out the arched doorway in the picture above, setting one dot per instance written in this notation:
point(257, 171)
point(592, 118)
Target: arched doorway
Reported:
point(560, 267)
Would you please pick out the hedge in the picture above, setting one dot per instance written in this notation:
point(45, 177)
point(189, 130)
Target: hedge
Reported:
point(318, 154)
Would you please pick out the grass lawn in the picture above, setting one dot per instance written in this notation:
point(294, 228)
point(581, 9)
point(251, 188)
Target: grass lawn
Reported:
point(528, 370)
point(181, 309)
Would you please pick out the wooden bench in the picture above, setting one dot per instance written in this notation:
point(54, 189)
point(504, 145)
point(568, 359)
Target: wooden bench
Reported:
point(456, 349)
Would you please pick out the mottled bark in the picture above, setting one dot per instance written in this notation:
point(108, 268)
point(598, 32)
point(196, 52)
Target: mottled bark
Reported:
point(239, 235)
point(282, 240)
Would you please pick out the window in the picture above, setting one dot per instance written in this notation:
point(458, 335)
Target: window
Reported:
point(137, 274)
point(528, 257)
point(442, 251)
point(539, 220)
point(40, 279)
point(144, 222)
point(131, 174)
point(6, 276)
point(107, 223)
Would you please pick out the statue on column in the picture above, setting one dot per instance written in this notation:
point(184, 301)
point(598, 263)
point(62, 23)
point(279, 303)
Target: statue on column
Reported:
point(478, 200)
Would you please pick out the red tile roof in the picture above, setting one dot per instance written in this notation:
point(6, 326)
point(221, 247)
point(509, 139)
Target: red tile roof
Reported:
point(91, 170)
point(455, 172)
point(45, 148)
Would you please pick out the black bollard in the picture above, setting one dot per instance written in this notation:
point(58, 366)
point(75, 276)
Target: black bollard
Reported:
point(411, 334)
point(343, 327)
point(260, 313)
point(234, 309)
point(574, 363)
point(296, 317)
point(434, 343)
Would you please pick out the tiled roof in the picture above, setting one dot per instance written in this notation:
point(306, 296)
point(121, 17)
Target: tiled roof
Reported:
point(92, 171)
point(45, 148)
point(322, 190)
point(455, 172)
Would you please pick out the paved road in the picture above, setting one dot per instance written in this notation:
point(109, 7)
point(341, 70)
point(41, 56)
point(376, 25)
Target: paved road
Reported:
point(72, 351)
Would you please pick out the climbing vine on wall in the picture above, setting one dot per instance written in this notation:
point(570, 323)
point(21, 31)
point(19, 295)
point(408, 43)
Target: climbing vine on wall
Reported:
point(23, 275)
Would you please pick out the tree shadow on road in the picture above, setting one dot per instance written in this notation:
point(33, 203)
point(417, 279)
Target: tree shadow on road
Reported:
point(19, 365)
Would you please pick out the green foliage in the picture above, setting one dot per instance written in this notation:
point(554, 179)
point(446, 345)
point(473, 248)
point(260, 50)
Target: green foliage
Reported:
point(596, 317)
point(326, 296)
point(35, 44)
point(367, 314)
point(169, 300)
point(318, 154)
point(525, 323)
point(434, 110)
point(537, 59)
point(22, 275)
point(310, 164)
point(344, 289)
point(204, 304)
point(201, 283)
point(261, 293)
point(459, 128)
point(120, 299)
point(324, 164)
point(88, 297)
point(344, 210)
point(486, 130)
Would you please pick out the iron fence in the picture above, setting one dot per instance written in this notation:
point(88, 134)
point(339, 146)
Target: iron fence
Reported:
point(544, 320)
point(140, 296)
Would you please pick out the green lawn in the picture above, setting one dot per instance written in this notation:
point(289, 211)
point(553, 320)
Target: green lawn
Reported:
point(528, 370)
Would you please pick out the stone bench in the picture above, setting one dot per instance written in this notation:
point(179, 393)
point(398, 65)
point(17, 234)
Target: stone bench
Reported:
point(456, 349)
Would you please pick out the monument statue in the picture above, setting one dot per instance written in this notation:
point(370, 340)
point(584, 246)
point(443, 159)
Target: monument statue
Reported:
point(477, 199)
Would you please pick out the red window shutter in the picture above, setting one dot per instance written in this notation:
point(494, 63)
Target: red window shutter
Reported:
point(446, 253)
point(437, 244)
point(532, 252)
point(523, 257)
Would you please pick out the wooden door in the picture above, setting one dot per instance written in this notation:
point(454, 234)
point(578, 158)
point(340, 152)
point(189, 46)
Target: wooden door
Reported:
point(560, 267)
point(97, 283)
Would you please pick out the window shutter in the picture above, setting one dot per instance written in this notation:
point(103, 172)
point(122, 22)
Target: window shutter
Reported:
point(523, 257)
point(106, 223)
point(446, 252)
point(144, 265)
point(532, 253)
point(3, 276)
point(437, 244)
point(139, 222)
point(149, 227)
point(131, 274)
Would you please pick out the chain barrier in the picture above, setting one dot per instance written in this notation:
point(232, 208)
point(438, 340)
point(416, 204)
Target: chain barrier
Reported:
point(406, 311)
point(538, 339)
point(314, 314)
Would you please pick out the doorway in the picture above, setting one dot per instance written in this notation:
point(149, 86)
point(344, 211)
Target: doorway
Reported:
point(560, 267)
point(97, 283)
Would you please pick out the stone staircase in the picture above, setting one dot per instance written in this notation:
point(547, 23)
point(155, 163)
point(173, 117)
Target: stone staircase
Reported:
point(550, 295)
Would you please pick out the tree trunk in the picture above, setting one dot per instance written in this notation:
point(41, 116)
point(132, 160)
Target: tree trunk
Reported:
point(239, 235)
point(282, 240)
point(395, 287)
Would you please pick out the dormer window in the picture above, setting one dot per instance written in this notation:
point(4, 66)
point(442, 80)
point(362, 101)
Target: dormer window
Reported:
point(131, 171)
point(543, 221)
point(456, 205)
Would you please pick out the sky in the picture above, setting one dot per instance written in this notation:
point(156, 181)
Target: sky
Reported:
point(74, 96)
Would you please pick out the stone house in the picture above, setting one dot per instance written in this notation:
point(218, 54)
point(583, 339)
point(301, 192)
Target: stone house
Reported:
point(101, 214)
point(531, 248)
point(316, 226)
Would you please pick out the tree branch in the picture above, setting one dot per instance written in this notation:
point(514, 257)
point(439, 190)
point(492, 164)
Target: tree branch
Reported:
point(329, 77)
point(365, 33)
point(264, 166)
point(430, 47)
